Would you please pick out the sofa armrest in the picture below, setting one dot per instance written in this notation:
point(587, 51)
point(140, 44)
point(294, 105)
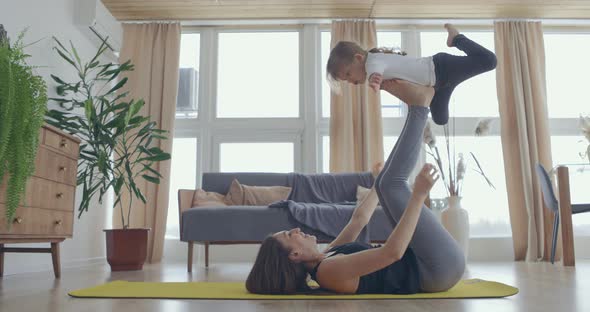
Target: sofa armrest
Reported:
point(185, 202)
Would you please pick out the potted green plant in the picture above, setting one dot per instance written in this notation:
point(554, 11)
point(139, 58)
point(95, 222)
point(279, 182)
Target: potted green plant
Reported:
point(23, 103)
point(118, 145)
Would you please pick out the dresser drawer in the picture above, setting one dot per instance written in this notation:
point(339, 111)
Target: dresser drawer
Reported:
point(37, 221)
point(53, 166)
point(43, 193)
point(60, 143)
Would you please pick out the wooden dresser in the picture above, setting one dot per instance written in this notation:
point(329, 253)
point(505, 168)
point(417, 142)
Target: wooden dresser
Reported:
point(46, 213)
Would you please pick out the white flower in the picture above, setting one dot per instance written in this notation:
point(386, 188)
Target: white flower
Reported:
point(429, 137)
point(483, 127)
point(461, 167)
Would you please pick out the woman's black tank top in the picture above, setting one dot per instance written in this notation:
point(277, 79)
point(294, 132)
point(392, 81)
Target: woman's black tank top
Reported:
point(400, 277)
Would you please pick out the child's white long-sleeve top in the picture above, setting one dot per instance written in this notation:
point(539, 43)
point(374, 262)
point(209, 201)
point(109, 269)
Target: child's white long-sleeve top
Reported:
point(419, 70)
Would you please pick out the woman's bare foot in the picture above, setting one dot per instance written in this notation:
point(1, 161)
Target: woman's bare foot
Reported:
point(410, 93)
point(453, 32)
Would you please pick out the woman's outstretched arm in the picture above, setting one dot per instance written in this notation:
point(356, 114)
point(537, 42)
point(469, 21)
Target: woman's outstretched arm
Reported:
point(354, 265)
point(361, 216)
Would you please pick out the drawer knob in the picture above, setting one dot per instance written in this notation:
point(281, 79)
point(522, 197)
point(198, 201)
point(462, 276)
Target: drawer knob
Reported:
point(63, 143)
point(62, 168)
point(58, 222)
point(59, 195)
point(18, 220)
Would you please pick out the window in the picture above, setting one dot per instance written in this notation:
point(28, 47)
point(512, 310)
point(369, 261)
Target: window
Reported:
point(188, 82)
point(487, 207)
point(566, 61)
point(182, 176)
point(475, 97)
point(257, 157)
point(565, 150)
point(258, 75)
point(472, 99)
point(391, 106)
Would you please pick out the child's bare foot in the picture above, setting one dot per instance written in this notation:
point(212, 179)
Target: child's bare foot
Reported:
point(453, 32)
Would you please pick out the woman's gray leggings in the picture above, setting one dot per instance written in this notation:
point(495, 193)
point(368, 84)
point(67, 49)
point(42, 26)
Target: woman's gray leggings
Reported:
point(440, 260)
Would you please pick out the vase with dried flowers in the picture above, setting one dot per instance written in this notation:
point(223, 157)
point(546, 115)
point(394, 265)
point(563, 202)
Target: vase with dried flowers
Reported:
point(585, 127)
point(452, 170)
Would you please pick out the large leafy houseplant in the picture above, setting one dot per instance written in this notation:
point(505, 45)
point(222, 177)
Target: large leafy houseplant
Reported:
point(23, 103)
point(118, 143)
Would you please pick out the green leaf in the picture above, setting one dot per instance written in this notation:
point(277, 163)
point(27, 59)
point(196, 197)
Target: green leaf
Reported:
point(154, 180)
point(57, 79)
point(118, 86)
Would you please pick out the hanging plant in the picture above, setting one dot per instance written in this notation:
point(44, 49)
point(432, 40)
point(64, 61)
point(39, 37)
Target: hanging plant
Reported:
point(23, 103)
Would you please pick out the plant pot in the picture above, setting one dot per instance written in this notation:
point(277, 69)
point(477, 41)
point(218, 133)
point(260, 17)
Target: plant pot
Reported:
point(126, 249)
point(455, 219)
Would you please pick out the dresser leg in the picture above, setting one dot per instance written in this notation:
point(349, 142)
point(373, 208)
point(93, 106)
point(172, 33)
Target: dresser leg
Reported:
point(55, 259)
point(1, 260)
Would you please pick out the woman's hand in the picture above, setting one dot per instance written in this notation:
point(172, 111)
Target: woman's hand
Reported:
point(375, 81)
point(377, 167)
point(425, 180)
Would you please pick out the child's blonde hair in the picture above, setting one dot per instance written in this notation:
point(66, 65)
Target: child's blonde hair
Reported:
point(343, 54)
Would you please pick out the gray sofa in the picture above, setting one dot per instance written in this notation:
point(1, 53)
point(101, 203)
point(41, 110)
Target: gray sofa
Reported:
point(251, 224)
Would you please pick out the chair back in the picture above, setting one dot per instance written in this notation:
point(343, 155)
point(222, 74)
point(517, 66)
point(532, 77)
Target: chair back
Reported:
point(547, 189)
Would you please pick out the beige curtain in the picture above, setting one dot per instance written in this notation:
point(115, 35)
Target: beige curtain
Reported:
point(522, 97)
point(356, 134)
point(154, 49)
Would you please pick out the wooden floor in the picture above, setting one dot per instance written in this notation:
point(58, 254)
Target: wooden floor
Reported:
point(543, 287)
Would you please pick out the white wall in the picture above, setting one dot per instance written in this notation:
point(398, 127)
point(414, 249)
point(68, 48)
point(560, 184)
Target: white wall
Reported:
point(46, 19)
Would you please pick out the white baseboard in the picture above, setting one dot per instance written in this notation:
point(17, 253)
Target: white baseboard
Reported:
point(45, 265)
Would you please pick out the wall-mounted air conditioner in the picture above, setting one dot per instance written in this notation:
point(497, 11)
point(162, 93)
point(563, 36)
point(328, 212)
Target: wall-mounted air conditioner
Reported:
point(188, 86)
point(97, 23)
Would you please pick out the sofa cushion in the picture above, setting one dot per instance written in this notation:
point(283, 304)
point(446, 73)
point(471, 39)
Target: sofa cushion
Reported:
point(202, 198)
point(241, 194)
point(254, 223)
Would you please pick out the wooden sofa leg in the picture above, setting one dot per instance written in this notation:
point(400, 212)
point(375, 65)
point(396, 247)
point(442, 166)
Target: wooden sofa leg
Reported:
point(189, 264)
point(206, 254)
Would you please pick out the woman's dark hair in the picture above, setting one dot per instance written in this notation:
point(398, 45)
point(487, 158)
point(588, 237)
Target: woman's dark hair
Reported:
point(274, 273)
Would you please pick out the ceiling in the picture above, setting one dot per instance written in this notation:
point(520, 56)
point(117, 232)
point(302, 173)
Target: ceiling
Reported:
point(127, 10)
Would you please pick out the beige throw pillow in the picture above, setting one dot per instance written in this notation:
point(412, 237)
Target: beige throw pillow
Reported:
point(361, 193)
point(241, 194)
point(208, 199)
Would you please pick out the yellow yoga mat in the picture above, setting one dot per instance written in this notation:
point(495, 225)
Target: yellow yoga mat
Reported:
point(471, 288)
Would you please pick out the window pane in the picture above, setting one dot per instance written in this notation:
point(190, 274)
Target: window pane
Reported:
point(182, 176)
point(391, 106)
point(487, 208)
point(257, 157)
point(566, 63)
point(566, 150)
point(475, 97)
point(188, 82)
point(258, 75)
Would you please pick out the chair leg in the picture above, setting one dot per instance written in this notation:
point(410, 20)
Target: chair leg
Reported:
point(555, 232)
point(189, 264)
